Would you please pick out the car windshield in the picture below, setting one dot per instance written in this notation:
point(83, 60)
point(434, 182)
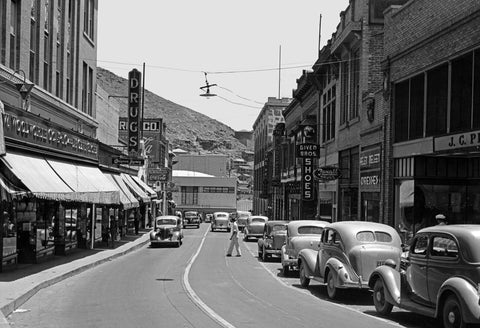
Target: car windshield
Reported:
point(190, 214)
point(221, 216)
point(279, 227)
point(166, 221)
point(371, 237)
point(310, 230)
point(261, 220)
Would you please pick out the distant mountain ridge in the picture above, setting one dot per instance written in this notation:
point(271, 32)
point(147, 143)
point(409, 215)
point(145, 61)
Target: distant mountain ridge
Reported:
point(186, 128)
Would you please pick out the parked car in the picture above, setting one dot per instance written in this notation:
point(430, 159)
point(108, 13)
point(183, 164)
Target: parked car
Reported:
point(191, 218)
point(208, 217)
point(254, 227)
point(349, 252)
point(300, 234)
point(220, 221)
point(441, 279)
point(167, 230)
point(273, 238)
point(242, 217)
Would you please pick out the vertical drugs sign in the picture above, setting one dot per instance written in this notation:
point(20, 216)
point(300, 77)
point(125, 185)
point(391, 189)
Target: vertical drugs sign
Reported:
point(134, 78)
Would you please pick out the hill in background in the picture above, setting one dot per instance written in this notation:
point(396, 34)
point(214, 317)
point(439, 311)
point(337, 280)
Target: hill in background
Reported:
point(186, 128)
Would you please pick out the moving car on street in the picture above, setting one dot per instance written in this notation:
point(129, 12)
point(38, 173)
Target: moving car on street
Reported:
point(242, 217)
point(220, 221)
point(349, 252)
point(273, 238)
point(191, 218)
point(441, 279)
point(254, 227)
point(300, 234)
point(167, 230)
point(208, 217)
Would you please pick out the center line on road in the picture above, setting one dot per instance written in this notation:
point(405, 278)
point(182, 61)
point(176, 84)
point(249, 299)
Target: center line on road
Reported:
point(194, 297)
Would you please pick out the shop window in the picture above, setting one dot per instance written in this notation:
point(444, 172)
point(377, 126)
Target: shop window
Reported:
point(70, 232)
point(371, 206)
point(416, 107)
point(476, 90)
point(461, 93)
point(437, 96)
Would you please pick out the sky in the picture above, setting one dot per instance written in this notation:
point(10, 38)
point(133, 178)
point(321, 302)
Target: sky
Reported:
point(239, 44)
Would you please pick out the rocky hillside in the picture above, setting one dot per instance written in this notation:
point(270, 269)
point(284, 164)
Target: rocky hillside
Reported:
point(186, 128)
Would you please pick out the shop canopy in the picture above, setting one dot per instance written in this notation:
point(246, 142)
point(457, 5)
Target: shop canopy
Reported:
point(135, 188)
point(148, 190)
point(9, 191)
point(62, 181)
point(127, 199)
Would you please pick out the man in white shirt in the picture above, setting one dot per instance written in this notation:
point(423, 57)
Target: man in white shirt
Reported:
point(234, 239)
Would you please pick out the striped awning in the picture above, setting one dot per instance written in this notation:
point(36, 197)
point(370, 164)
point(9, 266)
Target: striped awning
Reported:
point(148, 190)
point(127, 199)
point(135, 188)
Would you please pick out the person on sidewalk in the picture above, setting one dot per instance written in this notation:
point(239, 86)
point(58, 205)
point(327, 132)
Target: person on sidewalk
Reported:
point(234, 239)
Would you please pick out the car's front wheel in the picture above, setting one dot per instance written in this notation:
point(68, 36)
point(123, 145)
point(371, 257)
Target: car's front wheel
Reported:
point(304, 280)
point(452, 314)
point(379, 300)
point(331, 288)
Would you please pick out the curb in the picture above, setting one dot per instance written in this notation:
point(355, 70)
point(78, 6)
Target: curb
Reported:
point(7, 309)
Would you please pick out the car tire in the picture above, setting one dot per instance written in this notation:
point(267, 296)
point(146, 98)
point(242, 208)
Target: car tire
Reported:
point(381, 305)
point(304, 280)
point(331, 289)
point(452, 313)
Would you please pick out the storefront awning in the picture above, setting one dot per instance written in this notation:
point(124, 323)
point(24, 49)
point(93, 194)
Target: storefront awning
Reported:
point(126, 198)
point(61, 181)
point(9, 191)
point(89, 183)
point(148, 190)
point(134, 188)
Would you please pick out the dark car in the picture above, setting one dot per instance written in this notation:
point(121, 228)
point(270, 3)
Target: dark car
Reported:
point(191, 218)
point(167, 230)
point(272, 240)
point(441, 278)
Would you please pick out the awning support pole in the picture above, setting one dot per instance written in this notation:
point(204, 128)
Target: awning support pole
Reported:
point(92, 228)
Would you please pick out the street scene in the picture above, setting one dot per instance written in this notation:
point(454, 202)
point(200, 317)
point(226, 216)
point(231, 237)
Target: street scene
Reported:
point(239, 163)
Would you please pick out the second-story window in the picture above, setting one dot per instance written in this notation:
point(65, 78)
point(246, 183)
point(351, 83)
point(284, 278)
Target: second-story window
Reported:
point(34, 45)
point(14, 34)
point(328, 114)
point(47, 43)
point(59, 52)
point(355, 84)
point(345, 67)
point(89, 19)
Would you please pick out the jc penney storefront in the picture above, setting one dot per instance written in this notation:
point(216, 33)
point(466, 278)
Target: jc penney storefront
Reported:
point(52, 191)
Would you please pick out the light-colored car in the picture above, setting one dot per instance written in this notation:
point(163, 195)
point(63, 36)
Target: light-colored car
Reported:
point(349, 252)
point(441, 279)
point(254, 227)
point(208, 217)
point(220, 221)
point(167, 230)
point(242, 217)
point(273, 238)
point(300, 234)
point(191, 218)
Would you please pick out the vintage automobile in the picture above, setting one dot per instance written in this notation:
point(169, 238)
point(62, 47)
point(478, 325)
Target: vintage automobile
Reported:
point(191, 218)
point(167, 230)
point(242, 217)
point(254, 227)
point(441, 279)
point(272, 240)
point(208, 217)
point(300, 234)
point(220, 221)
point(349, 252)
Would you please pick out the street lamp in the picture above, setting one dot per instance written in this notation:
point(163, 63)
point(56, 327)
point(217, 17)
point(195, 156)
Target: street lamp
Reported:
point(206, 88)
point(23, 87)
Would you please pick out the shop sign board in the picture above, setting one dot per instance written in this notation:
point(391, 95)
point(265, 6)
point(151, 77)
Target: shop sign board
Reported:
point(308, 150)
point(158, 174)
point(327, 173)
point(370, 158)
point(29, 128)
point(128, 161)
point(457, 141)
point(134, 77)
point(307, 179)
point(152, 134)
point(370, 180)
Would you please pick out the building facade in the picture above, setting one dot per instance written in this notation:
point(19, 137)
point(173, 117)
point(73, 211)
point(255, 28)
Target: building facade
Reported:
point(269, 116)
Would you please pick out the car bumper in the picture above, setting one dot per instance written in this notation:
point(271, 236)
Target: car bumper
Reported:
point(273, 251)
point(290, 262)
point(253, 235)
point(163, 241)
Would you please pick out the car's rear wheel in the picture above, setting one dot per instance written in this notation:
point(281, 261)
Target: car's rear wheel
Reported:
point(379, 300)
point(331, 289)
point(304, 280)
point(452, 313)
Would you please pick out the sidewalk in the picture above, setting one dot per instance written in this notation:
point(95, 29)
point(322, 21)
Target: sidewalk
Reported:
point(17, 286)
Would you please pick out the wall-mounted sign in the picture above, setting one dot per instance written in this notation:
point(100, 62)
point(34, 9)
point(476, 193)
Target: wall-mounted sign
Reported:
point(370, 180)
point(128, 161)
point(27, 127)
point(308, 150)
point(134, 77)
point(309, 132)
point(307, 179)
point(456, 141)
point(158, 174)
point(152, 134)
point(370, 158)
point(327, 173)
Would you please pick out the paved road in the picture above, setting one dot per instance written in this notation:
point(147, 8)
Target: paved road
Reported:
point(196, 286)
